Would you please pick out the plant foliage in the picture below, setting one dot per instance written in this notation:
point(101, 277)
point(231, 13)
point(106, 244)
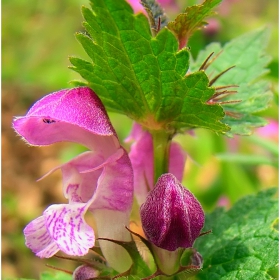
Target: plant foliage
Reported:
point(244, 240)
point(247, 54)
point(142, 76)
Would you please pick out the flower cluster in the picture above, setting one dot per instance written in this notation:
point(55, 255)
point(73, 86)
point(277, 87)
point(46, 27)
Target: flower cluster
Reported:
point(101, 181)
point(104, 181)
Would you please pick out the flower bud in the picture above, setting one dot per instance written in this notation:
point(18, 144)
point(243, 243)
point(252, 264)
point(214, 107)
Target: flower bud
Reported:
point(171, 216)
point(84, 272)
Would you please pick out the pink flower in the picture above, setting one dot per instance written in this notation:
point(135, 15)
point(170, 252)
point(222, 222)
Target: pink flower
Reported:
point(141, 156)
point(99, 180)
point(137, 6)
point(171, 216)
point(223, 201)
point(269, 131)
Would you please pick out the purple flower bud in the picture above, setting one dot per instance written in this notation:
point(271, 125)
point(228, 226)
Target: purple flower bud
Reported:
point(196, 259)
point(84, 272)
point(171, 216)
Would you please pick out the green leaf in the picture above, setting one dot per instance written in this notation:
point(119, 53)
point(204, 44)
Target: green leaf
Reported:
point(142, 76)
point(187, 23)
point(244, 242)
point(246, 53)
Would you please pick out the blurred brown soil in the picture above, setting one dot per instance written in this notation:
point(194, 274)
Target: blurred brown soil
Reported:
point(24, 199)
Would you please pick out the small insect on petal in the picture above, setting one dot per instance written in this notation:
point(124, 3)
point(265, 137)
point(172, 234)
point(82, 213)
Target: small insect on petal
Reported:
point(48, 121)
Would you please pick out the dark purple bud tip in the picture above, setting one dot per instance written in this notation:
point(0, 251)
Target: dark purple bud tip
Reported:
point(196, 259)
point(171, 216)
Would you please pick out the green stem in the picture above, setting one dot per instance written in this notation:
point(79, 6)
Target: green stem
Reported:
point(161, 144)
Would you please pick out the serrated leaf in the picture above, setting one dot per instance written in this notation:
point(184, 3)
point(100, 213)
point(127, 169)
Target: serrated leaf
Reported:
point(187, 23)
point(244, 240)
point(247, 54)
point(143, 76)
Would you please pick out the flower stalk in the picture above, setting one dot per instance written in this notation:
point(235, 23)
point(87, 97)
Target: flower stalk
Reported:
point(161, 145)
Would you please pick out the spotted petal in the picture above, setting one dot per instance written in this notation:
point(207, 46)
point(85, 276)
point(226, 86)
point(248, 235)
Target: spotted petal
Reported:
point(39, 240)
point(107, 187)
point(67, 227)
point(62, 227)
point(100, 180)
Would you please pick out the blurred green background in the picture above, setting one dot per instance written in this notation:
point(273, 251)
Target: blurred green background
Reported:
point(37, 38)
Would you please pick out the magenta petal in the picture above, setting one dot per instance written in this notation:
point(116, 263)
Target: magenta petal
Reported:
point(136, 6)
point(79, 106)
point(269, 131)
point(75, 115)
point(39, 240)
point(115, 185)
point(101, 178)
point(177, 160)
point(141, 156)
point(104, 184)
point(67, 227)
point(79, 186)
point(171, 216)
